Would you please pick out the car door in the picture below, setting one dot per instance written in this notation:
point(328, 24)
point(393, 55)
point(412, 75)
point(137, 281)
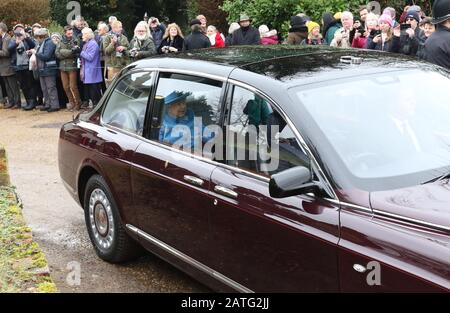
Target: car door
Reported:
point(262, 243)
point(171, 185)
point(123, 117)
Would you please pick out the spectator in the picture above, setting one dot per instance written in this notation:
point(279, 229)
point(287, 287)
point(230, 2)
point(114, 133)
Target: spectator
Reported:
point(413, 37)
point(215, 37)
point(19, 50)
point(363, 12)
point(330, 26)
point(37, 83)
point(158, 30)
point(437, 47)
point(246, 34)
point(203, 22)
point(67, 52)
point(428, 29)
point(393, 13)
point(101, 33)
point(7, 72)
point(404, 13)
point(47, 66)
point(142, 45)
point(90, 70)
point(111, 20)
point(115, 45)
point(371, 22)
point(388, 40)
point(197, 39)
point(358, 35)
point(229, 39)
point(173, 40)
point(342, 36)
point(298, 31)
point(268, 37)
point(314, 36)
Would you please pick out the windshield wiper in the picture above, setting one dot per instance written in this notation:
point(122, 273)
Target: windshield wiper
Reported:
point(439, 178)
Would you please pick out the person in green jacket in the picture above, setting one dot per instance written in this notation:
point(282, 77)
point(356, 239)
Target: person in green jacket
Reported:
point(67, 52)
point(116, 47)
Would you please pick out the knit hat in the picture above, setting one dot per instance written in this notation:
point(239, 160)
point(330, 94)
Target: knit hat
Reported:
point(56, 35)
point(311, 25)
point(385, 18)
point(413, 14)
point(338, 16)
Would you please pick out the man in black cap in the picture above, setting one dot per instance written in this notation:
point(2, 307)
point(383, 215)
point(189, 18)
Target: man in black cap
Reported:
point(247, 34)
point(197, 39)
point(437, 47)
point(412, 38)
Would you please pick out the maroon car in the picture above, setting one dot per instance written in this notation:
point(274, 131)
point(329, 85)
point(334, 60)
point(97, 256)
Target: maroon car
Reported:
point(272, 169)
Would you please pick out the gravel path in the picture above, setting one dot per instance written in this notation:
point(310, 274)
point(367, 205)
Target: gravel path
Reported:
point(31, 140)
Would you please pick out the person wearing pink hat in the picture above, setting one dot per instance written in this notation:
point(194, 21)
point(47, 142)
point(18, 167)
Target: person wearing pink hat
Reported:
point(387, 38)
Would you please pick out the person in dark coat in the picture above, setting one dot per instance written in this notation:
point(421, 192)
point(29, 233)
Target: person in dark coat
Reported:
point(48, 69)
point(19, 51)
point(229, 39)
point(298, 31)
point(173, 40)
point(412, 38)
point(437, 47)
point(246, 34)
point(197, 39)
point(142, 45)
point(157, 29)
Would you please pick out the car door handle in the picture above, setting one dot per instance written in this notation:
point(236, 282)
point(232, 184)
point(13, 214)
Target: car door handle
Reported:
point(226, 192)
point(194, 180)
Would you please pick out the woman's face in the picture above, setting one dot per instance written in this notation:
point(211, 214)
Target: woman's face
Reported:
point(210, 32)
point(371, 23)
point(384, 27)
point(173, 32)
point(316, 31)
point(429, 29)
point(85, 37)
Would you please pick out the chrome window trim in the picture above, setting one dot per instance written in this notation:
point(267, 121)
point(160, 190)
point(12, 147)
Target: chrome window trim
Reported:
point(186, 72)
point(198, 265)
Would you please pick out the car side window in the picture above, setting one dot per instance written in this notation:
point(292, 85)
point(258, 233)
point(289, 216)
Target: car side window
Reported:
point(184, 107)
point(127, 105)
point(258, 138)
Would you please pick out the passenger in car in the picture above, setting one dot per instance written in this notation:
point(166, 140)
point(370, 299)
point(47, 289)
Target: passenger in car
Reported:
point(178, 120)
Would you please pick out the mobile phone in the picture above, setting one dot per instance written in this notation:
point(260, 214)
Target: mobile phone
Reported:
point(375, 32)
point(404, 26)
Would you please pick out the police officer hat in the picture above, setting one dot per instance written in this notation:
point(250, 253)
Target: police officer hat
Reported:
point(441, 11)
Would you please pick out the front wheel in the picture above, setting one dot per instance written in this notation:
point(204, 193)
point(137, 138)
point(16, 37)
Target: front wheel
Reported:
point(107, 234)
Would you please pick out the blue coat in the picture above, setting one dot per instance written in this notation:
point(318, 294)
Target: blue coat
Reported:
point(90, 63)
point(48, 57)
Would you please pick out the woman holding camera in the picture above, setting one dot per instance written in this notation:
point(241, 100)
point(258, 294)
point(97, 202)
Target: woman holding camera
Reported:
point(142, 45)
point(19, 49)
point(386, 38)
point(173, 40)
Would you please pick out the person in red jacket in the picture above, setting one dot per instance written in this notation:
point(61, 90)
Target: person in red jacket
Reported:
point(216, 38)
point(268, 37)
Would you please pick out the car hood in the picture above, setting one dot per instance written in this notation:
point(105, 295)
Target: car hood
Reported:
point(429, 203)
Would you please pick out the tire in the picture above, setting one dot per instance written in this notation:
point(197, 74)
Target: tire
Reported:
point(106, 231)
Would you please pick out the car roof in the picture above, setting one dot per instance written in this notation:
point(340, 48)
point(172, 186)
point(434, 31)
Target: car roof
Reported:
point(295, 65)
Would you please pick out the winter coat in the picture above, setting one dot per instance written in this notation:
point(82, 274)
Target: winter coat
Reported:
point(5, 58)
point(177, 43)
point(12, 48)
point(67, 59)
point(112, 59)
point(359, 43)
point(392, 45)
point(196, 40)
point(146, 48)
point(90, 72)
point(158, 34)
point(296, 38)
point(313, 41)
point(246, 37)
point(47, 57)
point(270, 38)
point(410, 46)
point(345, 42)
point(332, 29)
point(437, 47)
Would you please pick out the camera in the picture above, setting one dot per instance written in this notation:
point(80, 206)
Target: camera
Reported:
point(375, 32)
point(404, 26)
point(133, 53)
point(20, 50)
point(18, 34)
point(119, 54)
point(29, 30)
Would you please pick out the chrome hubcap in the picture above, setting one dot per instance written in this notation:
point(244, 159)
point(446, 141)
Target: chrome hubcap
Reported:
point(101, 219)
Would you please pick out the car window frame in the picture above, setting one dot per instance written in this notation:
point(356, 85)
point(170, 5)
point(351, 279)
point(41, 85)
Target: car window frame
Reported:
point(111, 91)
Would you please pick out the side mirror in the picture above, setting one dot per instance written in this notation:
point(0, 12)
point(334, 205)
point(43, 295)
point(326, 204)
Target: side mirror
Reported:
point(292, 182)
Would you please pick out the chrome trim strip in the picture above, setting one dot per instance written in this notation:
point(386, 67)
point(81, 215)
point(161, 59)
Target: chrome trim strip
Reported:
point(194, 180)
point(186, 72)
point(357, 207)
point(229, 282)
point(411, 220)
point(300, 138)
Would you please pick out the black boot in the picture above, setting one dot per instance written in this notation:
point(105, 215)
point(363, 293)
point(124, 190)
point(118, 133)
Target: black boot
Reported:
point(31, 104)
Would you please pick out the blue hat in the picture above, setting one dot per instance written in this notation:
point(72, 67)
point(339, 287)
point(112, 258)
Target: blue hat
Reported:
point(175, 97)
point(413, 14)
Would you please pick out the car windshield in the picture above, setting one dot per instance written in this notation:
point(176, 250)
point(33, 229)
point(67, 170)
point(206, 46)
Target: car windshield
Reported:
point(389, 130)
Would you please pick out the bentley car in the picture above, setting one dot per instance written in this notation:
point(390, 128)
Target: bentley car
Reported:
point(271, 169)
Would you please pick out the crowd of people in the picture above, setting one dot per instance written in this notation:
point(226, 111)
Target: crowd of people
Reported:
point(72, 70)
